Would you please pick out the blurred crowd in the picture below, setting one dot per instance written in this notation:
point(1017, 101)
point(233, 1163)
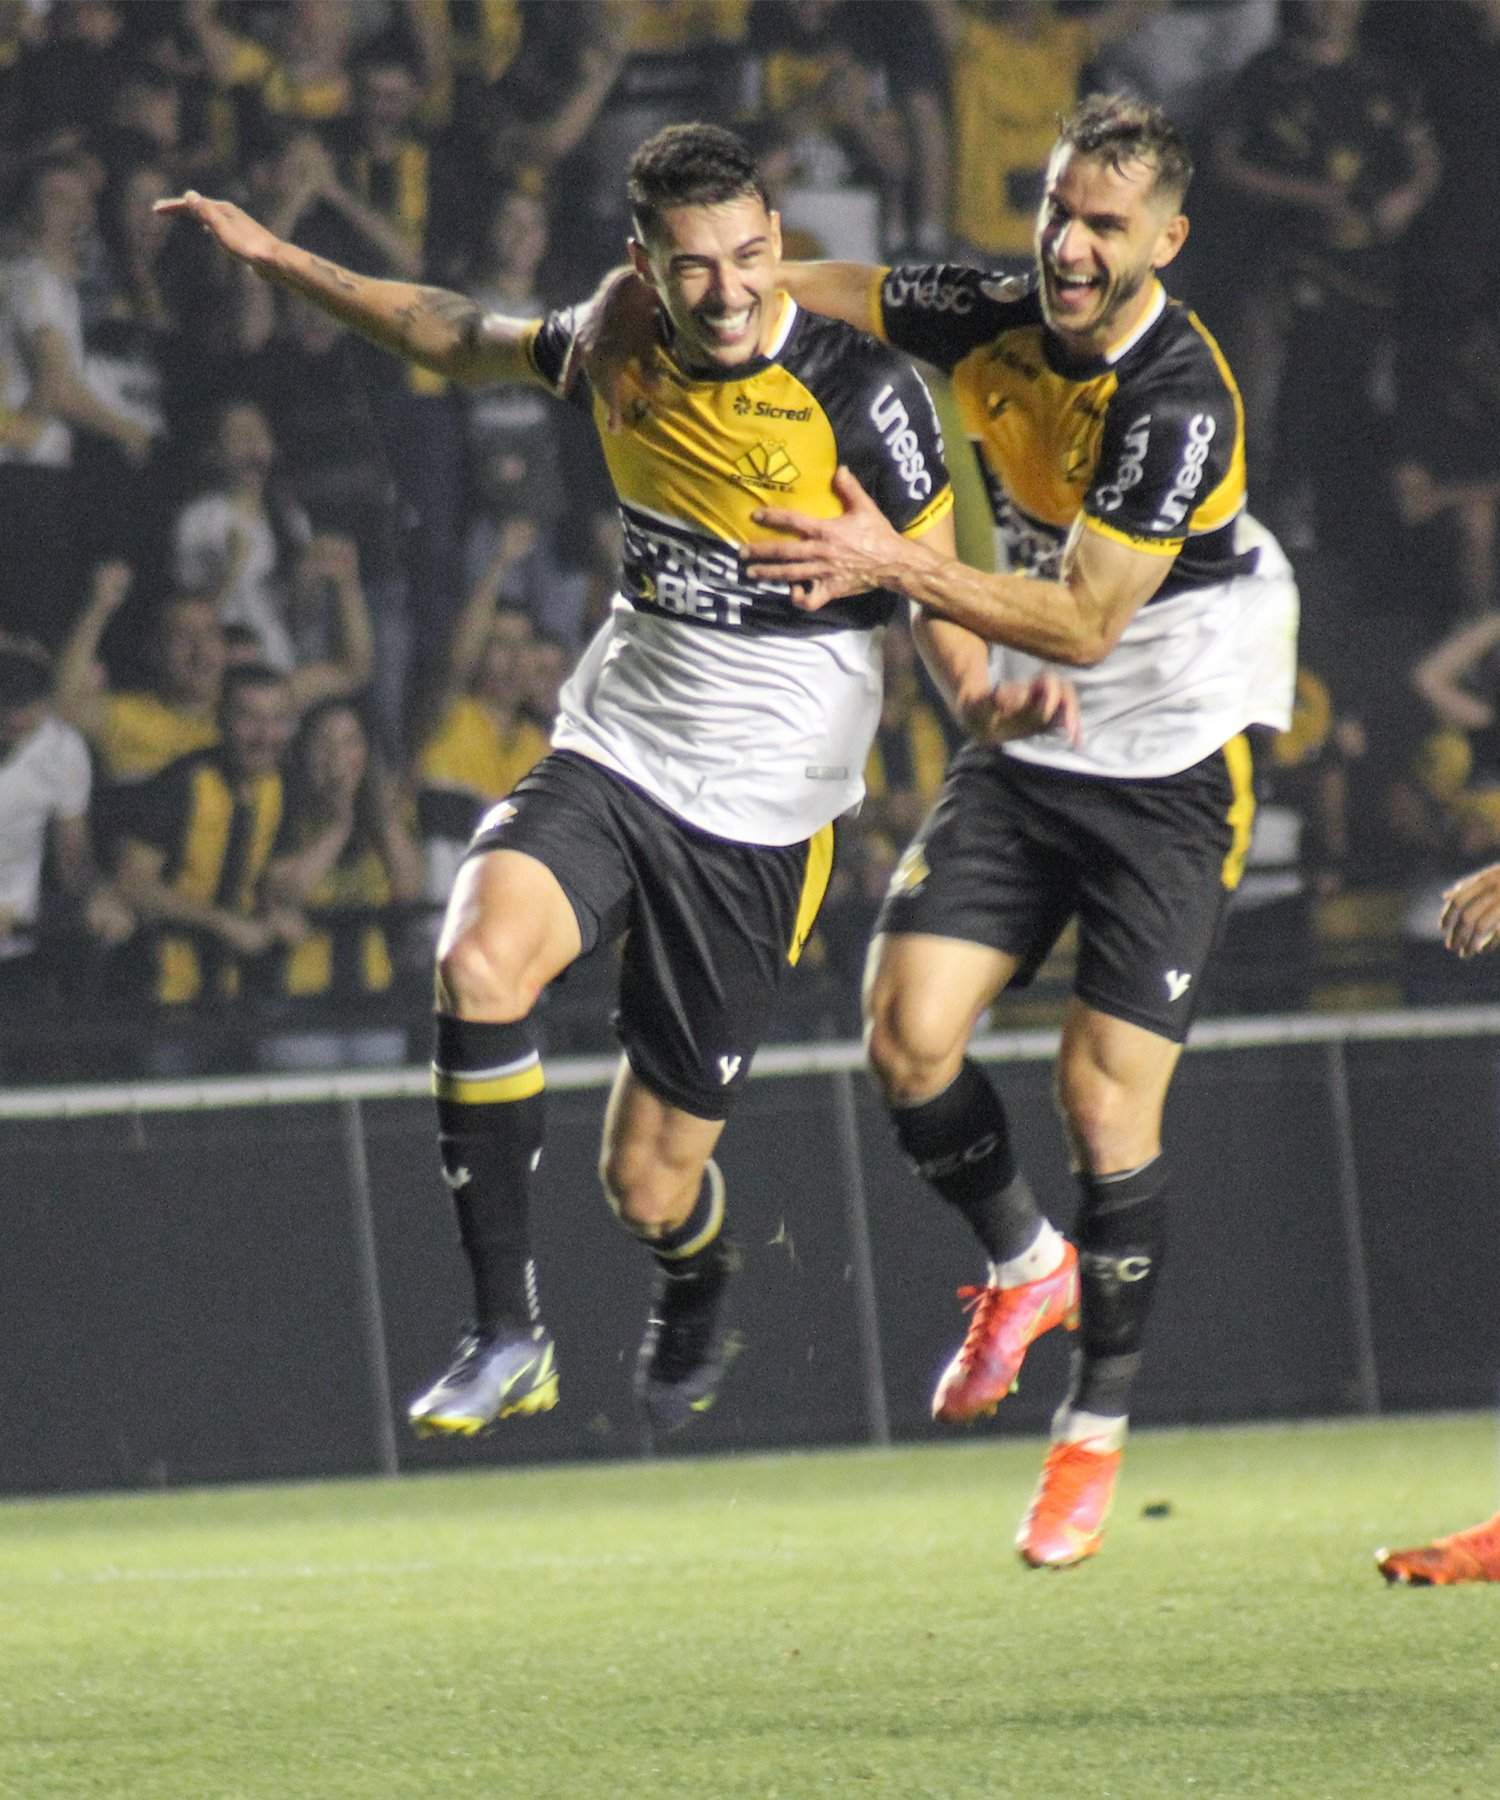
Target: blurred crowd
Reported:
point(280, 615)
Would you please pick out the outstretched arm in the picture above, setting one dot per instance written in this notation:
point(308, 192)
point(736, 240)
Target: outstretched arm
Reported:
point(440, 330)
point(1076, 620)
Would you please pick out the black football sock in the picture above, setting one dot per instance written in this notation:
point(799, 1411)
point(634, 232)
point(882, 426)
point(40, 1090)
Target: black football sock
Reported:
point(490, 1104)
point(1121, 1241)
point(959, 1143)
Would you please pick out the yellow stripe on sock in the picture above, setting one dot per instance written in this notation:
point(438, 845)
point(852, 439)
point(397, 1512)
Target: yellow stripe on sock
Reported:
point(467, 1091)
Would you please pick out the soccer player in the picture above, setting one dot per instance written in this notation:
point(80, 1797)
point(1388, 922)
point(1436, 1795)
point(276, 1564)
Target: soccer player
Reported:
point(1471, 926)
point(709, 737)
point(1111, 437)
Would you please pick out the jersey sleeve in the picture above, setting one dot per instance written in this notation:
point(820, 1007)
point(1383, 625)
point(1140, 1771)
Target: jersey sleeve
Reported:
point(941, 311)
point(1165, 459)
point(548, 345)
point(888, 434)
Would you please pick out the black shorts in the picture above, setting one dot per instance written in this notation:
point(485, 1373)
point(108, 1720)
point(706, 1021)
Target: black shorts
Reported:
point(711, 927)
point(1013, 850)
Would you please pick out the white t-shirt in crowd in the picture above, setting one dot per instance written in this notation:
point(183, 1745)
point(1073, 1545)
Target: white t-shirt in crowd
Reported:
point(45, 778)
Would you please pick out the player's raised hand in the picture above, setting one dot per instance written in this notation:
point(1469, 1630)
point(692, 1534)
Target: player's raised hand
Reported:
point(229, 225)
point(1017, 709)
point(825, 559)
point(1470, 918)
point(614, 333)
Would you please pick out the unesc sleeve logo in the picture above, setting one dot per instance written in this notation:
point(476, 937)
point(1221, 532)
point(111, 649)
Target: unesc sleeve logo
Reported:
point(1189, 476)
point(890, 418)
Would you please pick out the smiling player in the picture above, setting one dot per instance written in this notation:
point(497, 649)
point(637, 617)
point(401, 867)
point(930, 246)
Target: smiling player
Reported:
point(1111, 437)
point(709, 737)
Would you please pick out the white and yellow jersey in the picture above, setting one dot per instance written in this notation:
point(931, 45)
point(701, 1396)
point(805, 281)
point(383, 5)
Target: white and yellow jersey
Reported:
point(713, 693)
point(1145, 446)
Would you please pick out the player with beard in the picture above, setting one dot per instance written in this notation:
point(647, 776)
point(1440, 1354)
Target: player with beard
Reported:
point(1111, 436)
point(709, 737)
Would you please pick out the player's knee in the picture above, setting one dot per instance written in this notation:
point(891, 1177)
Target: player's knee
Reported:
point(910, 1056)
point(646, 1195)
point(477, 979)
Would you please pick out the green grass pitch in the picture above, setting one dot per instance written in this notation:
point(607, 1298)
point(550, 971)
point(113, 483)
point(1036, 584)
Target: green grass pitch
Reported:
point(839, 1624)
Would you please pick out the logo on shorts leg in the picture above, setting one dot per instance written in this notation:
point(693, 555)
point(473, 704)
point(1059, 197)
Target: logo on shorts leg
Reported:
point(1177, 981)
point(729, 1067)
point(912, 870)
point(498, 816)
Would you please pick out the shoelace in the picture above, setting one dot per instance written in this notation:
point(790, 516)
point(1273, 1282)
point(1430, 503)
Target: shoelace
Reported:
point(981, 1304)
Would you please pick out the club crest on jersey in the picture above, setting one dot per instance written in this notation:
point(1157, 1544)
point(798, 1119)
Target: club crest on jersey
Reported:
point(767, 466)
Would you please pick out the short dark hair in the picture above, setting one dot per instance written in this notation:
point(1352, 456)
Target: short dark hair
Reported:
point(689, 165)
point(1122, 130)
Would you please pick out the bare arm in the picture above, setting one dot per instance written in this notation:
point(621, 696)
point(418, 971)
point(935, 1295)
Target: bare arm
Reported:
point(959, 662)
point(139, 878)
point(60, 389)
point(334, 558)
point(76, 694)
point(438, 329)
point(516, 538)
point(1076, 620)
point(842, 290)
point(1438, 675)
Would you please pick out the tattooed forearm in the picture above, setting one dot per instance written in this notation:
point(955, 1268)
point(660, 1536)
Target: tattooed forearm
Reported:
point(438, 306)
point(340, 277)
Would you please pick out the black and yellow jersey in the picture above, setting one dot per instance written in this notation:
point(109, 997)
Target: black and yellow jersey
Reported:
point(1146, 446)
point(1148, 443)
point(743, 715)
point(215, 836)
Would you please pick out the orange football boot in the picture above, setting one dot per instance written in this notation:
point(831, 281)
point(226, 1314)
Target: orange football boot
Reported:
point(1065, 1522)
point(1003, 1323)
point(1472, 1555)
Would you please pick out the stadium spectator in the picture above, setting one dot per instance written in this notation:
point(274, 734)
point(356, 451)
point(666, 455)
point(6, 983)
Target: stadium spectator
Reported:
point(1182, 56)
point(1013, 71)
point(821, 94)
point(1334, 160)
point(669, 60)
point(302, 76)
point(42, 375)
point(250, 543)
point(523, 462)
point(1446, 472)
point(136, 732)
point(121, 505)
point(195, 846)
point(664, 793)
point(67, 77)
point(311, 380)
point(536, 97)
point(1118, 488)
point(481, 742)
point(46, 845)
point(343, 856)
